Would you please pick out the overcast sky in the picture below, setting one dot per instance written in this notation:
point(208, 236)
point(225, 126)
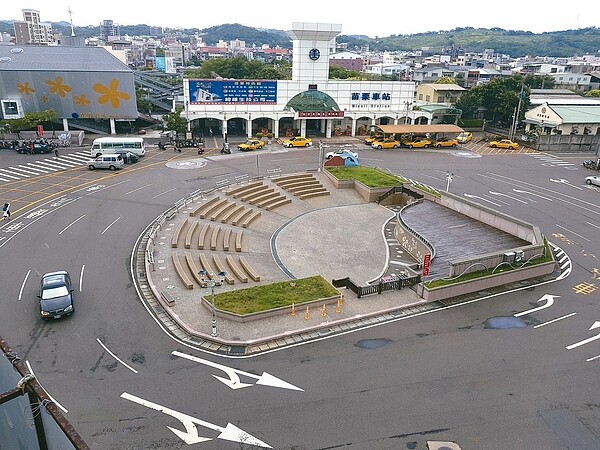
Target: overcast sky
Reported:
point(382, 18)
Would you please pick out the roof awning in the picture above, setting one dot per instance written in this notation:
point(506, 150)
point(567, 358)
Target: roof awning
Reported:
point(419, 129)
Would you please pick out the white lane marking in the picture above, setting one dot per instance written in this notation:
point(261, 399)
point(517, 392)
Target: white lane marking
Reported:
point(72, 223)
point(595, 325)
point(23, 285)
point(554, 320)
point(49, 396)
point(548, 298)
point(115, 356)
point(593, 225)
point(163, 193)
point(572, 232)
point(137, 189)
point(593, 358)
point(113, 222)
point(81, 278)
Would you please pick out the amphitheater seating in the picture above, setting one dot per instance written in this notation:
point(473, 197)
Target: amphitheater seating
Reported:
point(194, 270)
point(190, 233)
point(250, 218)
point(208, 268)
point(239, 189)
point(211, 208)
point(256, 192)
point(272, 204)
point(221, 268)
point(183, 276)
point(232, 213)
point(202, 237)
point(214, 238)
point(203, 206)
point(238, 240)
point(242, 216)
point(177, 232)
point(249, 269)
point(226, 239)
point(264, 197)
point(223, 210)
point(237, 271)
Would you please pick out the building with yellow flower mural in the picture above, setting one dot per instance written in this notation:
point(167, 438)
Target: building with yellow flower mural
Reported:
point(86, 86)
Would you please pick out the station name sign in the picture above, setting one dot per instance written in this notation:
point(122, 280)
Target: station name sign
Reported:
point(316, 114)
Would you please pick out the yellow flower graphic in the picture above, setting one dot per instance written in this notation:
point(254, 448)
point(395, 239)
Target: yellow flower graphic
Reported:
point(81, 100)
point(110, 93)
point(56, 87)
point(24, 88)
point(44, 99)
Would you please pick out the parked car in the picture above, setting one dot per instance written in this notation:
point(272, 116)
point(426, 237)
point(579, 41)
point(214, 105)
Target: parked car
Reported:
point(56, 295)
point(593, 179)
point(251, 144)
point(464, 137)
point(297, 141)
point(37, 148)
point(341, 153)
point(504, 143)
point(418, 143)
point(445, 142)
point(369, 140)
point(386, 143)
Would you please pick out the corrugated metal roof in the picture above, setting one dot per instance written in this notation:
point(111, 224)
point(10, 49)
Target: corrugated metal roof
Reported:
point(420, 129)
point(578, 114)
point(59, 59)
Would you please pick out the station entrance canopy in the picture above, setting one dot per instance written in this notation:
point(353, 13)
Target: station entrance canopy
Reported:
point(418, 129)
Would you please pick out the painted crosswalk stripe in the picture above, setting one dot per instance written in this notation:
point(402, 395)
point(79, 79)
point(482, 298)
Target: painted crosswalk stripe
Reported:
point(71, 159)
point(45, 165)
point(13, 169)
point(9, 175)
point(24, 168)
point(33, 166)
point(62, 164)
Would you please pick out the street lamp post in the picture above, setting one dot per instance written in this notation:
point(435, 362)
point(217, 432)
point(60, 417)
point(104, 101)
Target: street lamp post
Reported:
point(449, 176)
point(211, 282)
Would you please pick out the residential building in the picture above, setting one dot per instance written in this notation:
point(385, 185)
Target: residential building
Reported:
point(347, 60)
point(31, 30)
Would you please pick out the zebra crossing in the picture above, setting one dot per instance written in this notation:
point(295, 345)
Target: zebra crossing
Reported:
point(45, 166)
point(552, 161)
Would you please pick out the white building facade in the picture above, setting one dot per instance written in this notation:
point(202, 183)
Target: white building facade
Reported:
point(308, 105)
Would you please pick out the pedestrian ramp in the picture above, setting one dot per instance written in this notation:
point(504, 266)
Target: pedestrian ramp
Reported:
point(36, 167)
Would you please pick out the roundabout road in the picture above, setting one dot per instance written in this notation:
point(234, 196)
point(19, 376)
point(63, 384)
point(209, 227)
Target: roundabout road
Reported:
point(500, 372)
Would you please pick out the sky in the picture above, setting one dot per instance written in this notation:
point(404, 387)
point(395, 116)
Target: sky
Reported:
point(383, 19)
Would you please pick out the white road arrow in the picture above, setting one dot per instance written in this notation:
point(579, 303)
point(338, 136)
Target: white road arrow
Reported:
point(588, 340)
point(505, 195)
point(563, 181)
point(190, 435)
point(532, 193)
point(234, 381)
point(549, 299)
point(481, 198)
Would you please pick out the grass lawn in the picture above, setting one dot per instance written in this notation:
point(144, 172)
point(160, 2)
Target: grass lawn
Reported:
point(369, 176)
point(276, 295)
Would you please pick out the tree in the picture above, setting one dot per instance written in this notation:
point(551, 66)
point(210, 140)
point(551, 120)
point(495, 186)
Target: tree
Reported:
point(445, 80)
point(30, 121)
point(174, 121)
point(593, 93)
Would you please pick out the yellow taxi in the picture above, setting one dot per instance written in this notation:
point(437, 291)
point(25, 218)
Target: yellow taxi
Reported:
point(504, 143)
point(385, 143)
point(251, 144)
point(418, 143)
point(445, 142)
point(297, 141)
point(464, 137)
point(373, 137)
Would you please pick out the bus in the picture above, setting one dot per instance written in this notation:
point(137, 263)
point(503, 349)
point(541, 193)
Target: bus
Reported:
point(117, 145)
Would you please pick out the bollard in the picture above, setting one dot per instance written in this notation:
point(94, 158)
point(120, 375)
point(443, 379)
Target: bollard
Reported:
point(338, 308)
point(341, 299)
point(293, 310)
point(323, 311)
point(307, 315)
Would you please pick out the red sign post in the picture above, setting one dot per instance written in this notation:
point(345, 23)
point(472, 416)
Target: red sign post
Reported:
point(40, 130)
point(426, 263)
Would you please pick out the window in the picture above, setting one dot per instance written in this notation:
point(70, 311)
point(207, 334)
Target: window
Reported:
point(12, 109)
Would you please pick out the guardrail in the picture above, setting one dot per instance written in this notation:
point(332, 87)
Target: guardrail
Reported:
point(390, 285)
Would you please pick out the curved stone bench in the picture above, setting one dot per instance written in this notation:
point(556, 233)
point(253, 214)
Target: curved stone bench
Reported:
point(248, 220)
point(189, 259)
point(203, 206)
point(239, 273)
point(242, 216)
point(242, 188)
point(249, 269)
point(183, 276)
point(177, 232)
point(314, 194)
point(257, 192)
point(222, 210)
point(215, 206)
point(264, 198)
point(221, 268)
point(232, 213)
point(189, 234)
point(202, 236)
point(238, 240)
point(210, 272)
point(226, 239)
point(249, 189)
point(277, 203)
point(214, 238)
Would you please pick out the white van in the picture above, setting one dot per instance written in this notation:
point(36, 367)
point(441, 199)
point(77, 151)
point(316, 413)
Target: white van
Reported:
point(112, 162)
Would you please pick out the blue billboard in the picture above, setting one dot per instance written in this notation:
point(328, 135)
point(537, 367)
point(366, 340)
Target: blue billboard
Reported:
point(230, 92)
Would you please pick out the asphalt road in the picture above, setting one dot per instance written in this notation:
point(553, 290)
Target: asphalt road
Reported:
point(473, 374)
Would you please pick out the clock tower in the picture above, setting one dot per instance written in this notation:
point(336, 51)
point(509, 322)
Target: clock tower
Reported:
point(311, 49)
